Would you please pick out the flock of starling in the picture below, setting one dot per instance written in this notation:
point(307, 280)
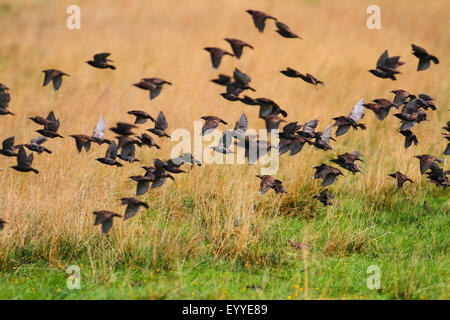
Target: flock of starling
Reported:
point(293, 136)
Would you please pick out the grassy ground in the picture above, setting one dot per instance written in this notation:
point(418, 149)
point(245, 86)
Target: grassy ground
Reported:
point(208, 234)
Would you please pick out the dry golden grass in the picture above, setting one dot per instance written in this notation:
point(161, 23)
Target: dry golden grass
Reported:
point(213, 209)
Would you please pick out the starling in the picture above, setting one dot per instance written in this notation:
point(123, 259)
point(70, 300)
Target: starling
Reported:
point(347, 161)
point(123, 129)
point(110, 157)
point(128, 151)
point(424, 57)
point(401, 97)
point(273, 122)
point(133, 206)
point(411, 115)
point(216, 56)
point(380, 107)
point(141, 116)
point(294, 145)
point(241, 125)
point(148, 141)
point(427, 161)
point(51, 125)
point(186, 158)
point(160, 126)
point(254, 148)
point(99, 132)
point(344, 123)
point(8, 148)
point(268, 107)
point(211, 122)
point(153, 85)
point(410, 137)
point(401, 178)
point(387, 66)
point(289, 72)
point(439, 177)
point(322, 139)
point(259, 19)
point(222, 80)
point(285, 31)
point(24, 162)
point(224, 143)
point(36, 145)
point(270, 182)
point(237, 46)
point(327, 173)
point(82, 141)
point(55, 76)
point(325, 197)
point(105, 218)
point(143, 183)
point(101, 61)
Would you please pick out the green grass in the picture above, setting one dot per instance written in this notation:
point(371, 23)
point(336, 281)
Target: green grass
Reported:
point(406, 241)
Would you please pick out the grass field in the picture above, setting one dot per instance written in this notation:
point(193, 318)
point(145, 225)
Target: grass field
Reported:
point(208, 235)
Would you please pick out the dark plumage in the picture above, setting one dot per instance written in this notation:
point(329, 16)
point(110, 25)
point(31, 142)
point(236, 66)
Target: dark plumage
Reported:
point(36, 145)
point(273, 122)
point(411, 114)
point(285, 31)
point(345, 123)
point(153, 85)
point(216, 55)
point(24, 162)
point(348, 161)
point(401, 97)
point(401, 178)
point(8, 148)
point(133, 206)
point(55, 76)
point(237, 46)
point(268, 107)
point(101, 61)
point(141, 116)
point(380, 107)
point(323, 139)
point(327, 173)
point(424, 57)
point(111, 155)
point(270, 182)
point(289, 72)
point(82, 141)
point(211, 122)
point(105, 218)
point(387, 66)
point(325, 197)
point(438, 176)
point(222, 80)
point(160, 126)
point(259, 19)
point(428, 161)
point(148, 141)
point(123, 129)
point(51, 125)
point(410, 137)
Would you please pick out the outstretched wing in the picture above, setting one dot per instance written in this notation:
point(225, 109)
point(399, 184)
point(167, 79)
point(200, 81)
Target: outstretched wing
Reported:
point(357, 111)
point(99, 130)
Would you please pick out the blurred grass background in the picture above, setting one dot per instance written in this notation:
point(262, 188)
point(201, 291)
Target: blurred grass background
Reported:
point(208, 234)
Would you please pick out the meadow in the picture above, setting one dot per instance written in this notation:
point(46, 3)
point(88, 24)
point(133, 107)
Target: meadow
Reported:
point(208, 235)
